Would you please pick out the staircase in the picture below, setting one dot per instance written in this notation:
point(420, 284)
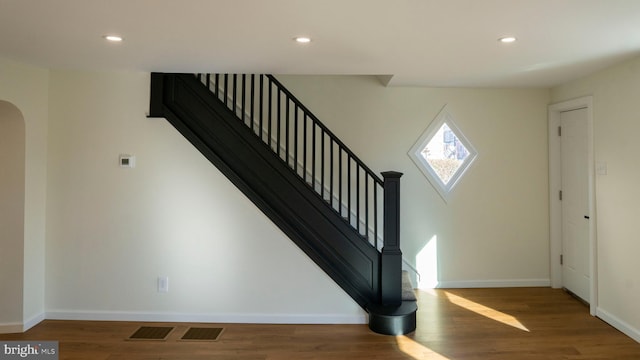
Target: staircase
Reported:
point(292, 167)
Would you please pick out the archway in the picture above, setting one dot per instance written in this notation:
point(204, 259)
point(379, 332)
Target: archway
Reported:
point(12, 206)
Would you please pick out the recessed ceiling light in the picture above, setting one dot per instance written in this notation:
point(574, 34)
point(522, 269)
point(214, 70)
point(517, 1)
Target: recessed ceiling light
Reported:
point(302, 39)
point(507, 39)
point(113, 38)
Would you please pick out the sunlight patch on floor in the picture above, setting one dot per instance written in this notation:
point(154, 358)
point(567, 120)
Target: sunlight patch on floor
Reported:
point(417, 350)
point(432, 292)
point(486, 311)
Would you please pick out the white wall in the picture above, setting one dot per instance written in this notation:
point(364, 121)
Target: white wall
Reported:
point(616, 128)
point(494, 230)
point(112, 231)
point(12, 163)
point(26, 88)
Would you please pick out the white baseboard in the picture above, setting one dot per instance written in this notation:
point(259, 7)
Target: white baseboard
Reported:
point(10, 328)
point(494, 283)
point(618, 324)
point(209, 318)
point(33, 322)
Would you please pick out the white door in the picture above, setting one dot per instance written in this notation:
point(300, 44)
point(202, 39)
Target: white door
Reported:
point(575, 203)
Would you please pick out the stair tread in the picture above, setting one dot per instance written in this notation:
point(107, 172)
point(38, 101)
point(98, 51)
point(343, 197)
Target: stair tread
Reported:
point(407, 288)
point(405, 308)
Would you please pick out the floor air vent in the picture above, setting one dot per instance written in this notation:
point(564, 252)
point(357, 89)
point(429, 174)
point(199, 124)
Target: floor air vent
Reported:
point(151, 333)
point(202, 334)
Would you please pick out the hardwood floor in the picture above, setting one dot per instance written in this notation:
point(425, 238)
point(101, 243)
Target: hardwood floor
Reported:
point(467, 324)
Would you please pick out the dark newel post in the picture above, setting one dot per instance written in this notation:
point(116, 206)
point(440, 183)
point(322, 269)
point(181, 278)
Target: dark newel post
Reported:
point(391, 267)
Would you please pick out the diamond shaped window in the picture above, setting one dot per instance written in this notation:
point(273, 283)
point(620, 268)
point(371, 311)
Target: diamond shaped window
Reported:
point(442, 153)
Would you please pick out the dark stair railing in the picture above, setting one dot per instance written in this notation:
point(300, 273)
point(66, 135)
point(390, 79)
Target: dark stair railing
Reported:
point(321, 162)
point(307, 146)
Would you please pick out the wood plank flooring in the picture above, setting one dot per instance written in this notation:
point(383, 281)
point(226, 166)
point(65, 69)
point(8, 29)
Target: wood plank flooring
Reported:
point(457, 324)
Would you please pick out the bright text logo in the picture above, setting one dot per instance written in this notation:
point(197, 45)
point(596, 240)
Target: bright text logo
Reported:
point(29, 350)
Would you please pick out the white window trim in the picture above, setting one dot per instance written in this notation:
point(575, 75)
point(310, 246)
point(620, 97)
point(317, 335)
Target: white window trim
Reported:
point(415, 154)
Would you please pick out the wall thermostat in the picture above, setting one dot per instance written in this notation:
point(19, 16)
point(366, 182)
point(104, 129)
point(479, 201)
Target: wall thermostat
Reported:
point(127, 161)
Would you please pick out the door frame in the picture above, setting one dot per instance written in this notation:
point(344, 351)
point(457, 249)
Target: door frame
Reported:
point(555, 205)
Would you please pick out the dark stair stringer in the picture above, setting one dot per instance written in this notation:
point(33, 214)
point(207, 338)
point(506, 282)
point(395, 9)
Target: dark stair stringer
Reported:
point(249, 163)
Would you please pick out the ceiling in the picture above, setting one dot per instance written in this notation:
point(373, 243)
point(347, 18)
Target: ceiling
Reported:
point(409, 42)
